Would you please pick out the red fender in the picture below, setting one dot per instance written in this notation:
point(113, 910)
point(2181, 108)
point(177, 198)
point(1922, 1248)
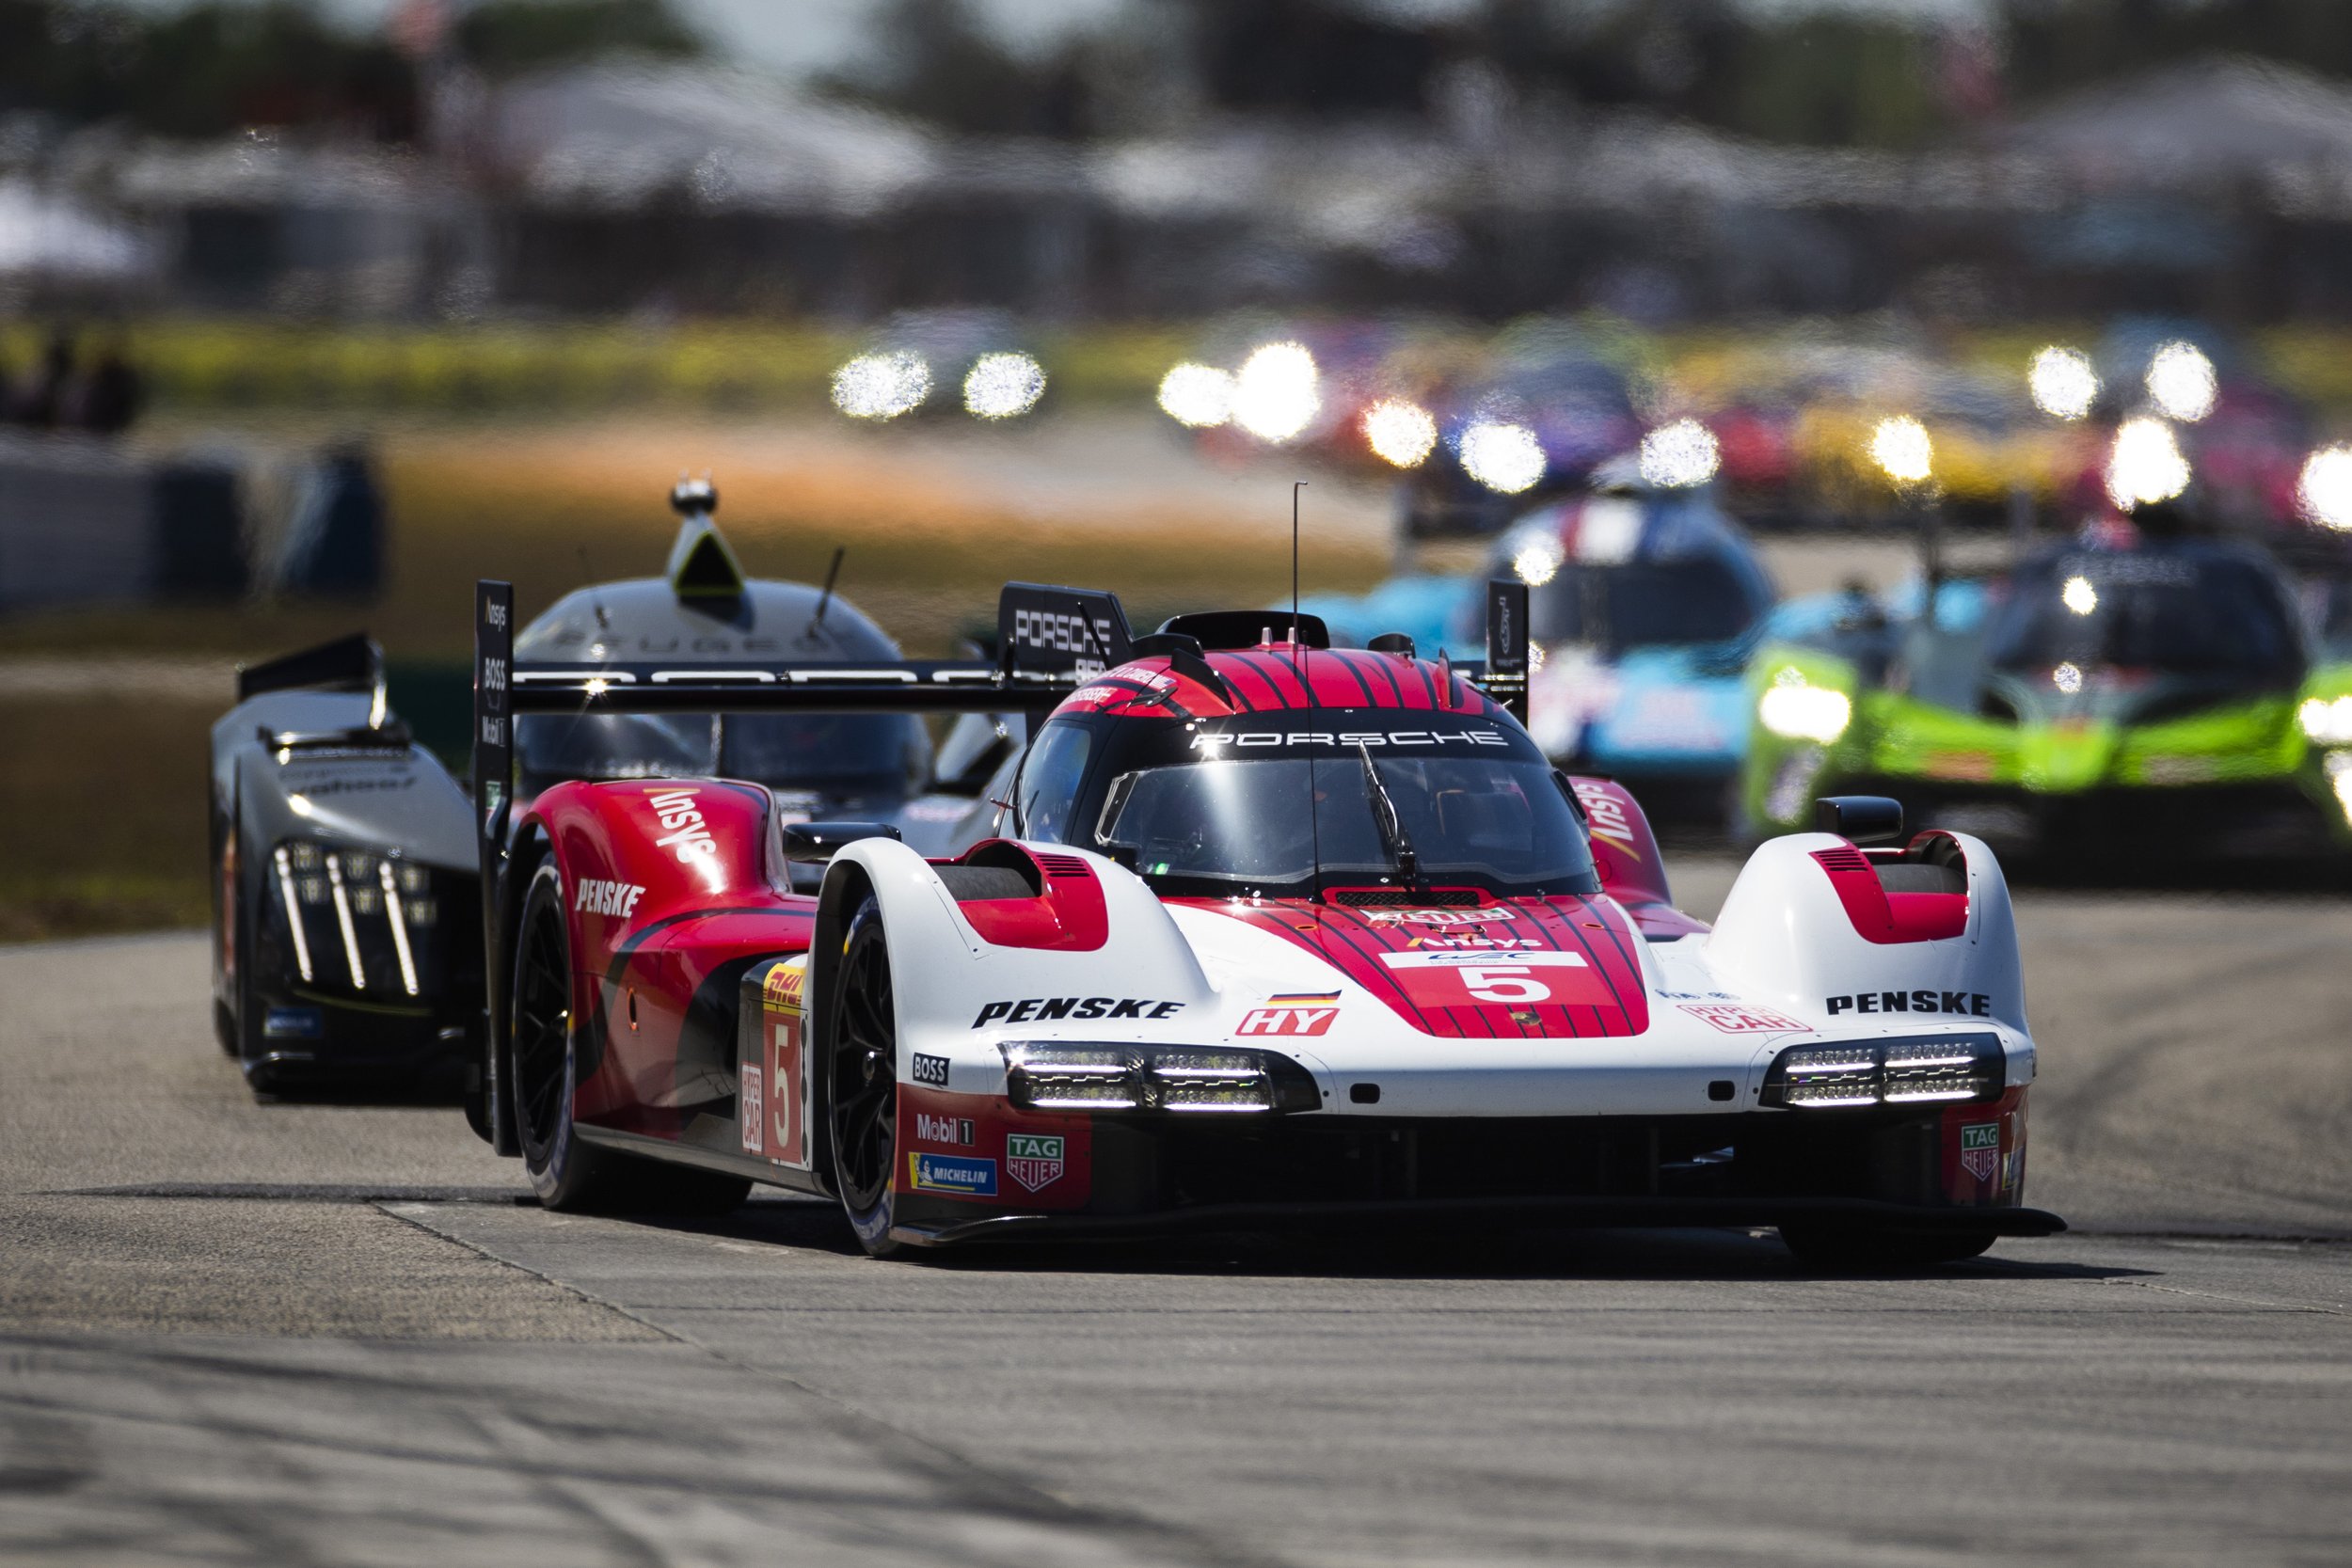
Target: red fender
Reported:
point(1626, 853)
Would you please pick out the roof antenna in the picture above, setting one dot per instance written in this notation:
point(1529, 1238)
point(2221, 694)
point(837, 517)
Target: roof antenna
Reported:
point(1296, 486)
point(824, 600)
point(604, 622)
point(1315, 811)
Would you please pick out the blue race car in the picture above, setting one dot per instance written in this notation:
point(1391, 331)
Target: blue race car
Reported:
point(1643, 604)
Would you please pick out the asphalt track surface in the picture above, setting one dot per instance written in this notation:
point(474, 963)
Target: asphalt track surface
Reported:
point(336, 1334)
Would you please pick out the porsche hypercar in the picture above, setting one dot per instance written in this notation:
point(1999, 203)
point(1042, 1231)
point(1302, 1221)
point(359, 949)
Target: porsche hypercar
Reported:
point(1268, 933)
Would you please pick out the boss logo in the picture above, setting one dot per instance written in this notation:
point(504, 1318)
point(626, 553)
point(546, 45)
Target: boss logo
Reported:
point(931, 1070)
point(1975, 1003)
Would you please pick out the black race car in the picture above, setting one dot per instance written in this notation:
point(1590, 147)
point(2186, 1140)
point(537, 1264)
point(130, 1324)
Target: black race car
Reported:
point(347, 934)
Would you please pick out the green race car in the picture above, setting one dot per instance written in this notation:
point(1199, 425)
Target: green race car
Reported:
point(2096, 698)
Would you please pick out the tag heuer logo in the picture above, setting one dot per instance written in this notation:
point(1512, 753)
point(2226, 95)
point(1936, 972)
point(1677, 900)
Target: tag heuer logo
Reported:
point(1031, 1160)
point(1980, 1149)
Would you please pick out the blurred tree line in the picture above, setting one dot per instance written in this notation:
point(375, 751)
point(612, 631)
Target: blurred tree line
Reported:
point(1890, 75)
point(214, 67)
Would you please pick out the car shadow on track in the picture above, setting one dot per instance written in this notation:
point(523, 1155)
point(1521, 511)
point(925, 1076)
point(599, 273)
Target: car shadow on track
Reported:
point(1720, 1255)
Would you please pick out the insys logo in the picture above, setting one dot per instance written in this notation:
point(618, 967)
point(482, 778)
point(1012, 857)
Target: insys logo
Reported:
point(685, 835)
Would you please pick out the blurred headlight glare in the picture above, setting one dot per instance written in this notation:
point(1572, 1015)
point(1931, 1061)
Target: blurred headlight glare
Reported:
point(1902, 450)
point(1198, 397)
point(1003, 386)
point(2324, 490)
point(2062, 383)
point(2326, 722)
point(2146, 465)
point(1505, 458)
point(1400, 434)
point(2180, 382)
point(1797, 710)
point(1679, 455)
point(881, 386)
point(1277, 394)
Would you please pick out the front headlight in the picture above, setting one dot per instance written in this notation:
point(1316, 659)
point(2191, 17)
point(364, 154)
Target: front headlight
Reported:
point(2340, 780)
point(1794, 709)
point(1041, 1075)
point(360, 918)
point(1920, 1071)
point(2325, 722)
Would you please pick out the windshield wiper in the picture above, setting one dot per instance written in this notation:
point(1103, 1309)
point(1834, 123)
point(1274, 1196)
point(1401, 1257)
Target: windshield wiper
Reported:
point(1384, 816)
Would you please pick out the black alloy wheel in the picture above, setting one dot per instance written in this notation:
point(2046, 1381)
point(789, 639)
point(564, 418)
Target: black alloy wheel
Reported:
point(862, 1083)
point(565, 1172)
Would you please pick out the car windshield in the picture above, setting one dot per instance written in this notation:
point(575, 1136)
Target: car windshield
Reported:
point(866, 753)
point(2215, 616)
point(1640, 604)
point(1211, 809)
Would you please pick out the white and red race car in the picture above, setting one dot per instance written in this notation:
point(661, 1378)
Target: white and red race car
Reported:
point(1268, 933)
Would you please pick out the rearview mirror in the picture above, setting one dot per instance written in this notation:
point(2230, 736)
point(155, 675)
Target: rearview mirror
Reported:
point(821, 841)
point(1863, 818)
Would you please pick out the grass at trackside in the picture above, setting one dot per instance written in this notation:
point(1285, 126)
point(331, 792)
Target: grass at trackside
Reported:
point(108, 803)
point(924, 560)
point(552, 505)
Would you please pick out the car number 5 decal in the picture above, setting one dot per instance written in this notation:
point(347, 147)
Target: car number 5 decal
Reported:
point(1511, 984)
point(1463, 978)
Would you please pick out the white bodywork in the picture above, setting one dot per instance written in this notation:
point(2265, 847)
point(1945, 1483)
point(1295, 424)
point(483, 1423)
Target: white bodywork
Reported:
point(1783, 943)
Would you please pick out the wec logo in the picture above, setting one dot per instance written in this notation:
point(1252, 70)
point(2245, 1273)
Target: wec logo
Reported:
point(687, 837)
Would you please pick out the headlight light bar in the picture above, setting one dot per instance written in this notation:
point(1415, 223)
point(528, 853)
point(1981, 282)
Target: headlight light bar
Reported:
point(1922, 1070)
point(1049, 1075)
point(363, 903)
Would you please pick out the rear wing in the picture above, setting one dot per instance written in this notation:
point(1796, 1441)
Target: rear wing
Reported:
point(1051, 640)
point(353, 663)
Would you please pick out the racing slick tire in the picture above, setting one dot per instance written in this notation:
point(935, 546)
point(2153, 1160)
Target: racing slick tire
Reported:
point(861, 1059)
point(1843, 1246)
point(567, 1172)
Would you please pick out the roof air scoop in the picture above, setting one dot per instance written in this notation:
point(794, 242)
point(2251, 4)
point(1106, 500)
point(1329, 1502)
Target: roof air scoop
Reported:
point(701, 566)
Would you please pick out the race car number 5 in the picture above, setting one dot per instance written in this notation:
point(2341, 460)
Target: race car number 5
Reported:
point(1459, 977)
point(1504, 985)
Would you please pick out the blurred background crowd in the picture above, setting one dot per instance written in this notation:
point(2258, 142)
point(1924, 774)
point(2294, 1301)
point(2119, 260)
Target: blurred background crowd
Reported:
point(312, 309)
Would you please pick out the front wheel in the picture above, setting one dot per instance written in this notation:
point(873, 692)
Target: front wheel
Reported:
point(862, 1083)
point(565, 1172)
point(1843, 1247)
